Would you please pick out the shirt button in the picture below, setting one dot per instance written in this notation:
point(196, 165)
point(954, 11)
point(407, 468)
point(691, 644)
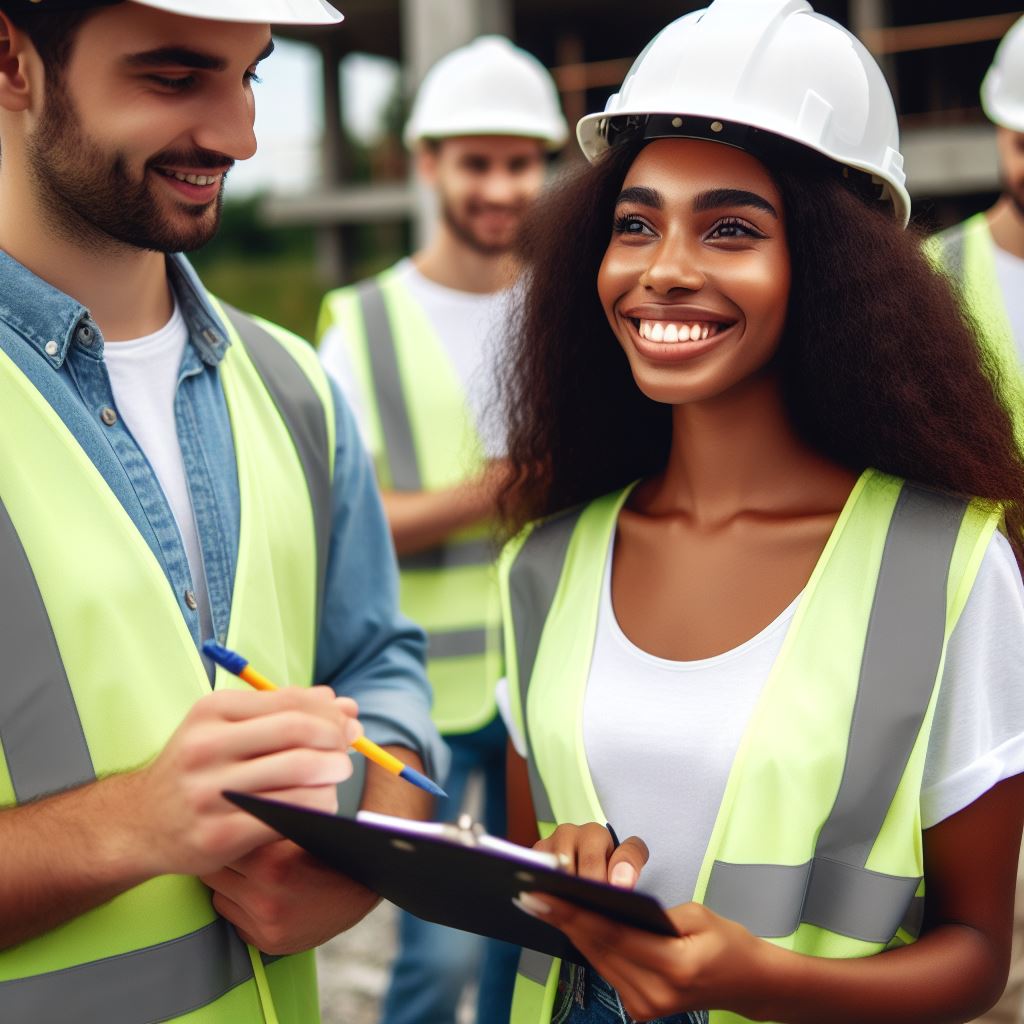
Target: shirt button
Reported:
point(52, 348)
point(190, 600)
point(85, 335)
point(108, 415)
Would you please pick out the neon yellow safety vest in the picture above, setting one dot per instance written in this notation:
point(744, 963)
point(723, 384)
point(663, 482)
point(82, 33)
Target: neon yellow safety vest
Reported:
point(818, 842)
point(967, 253)
point(422, 435)
point(100, 669)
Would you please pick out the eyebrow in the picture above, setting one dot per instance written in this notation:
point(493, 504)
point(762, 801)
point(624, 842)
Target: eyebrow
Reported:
point(718, 197)
point(185, 56)
point(641, 196)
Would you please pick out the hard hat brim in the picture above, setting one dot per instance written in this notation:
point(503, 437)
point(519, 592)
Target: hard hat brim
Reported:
point(277, 12)
point(592, 133)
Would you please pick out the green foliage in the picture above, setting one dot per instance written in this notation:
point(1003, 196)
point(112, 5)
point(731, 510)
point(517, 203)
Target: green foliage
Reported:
point(264, 270)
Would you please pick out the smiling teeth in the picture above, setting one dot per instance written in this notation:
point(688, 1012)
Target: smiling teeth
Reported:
point(194, 179)
point(659, 330)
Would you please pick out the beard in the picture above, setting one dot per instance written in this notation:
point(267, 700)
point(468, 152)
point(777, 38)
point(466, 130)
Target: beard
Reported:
point(461, 226)
point(90, 195)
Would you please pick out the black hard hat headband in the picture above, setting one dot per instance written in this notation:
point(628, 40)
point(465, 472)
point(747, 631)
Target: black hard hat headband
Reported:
point(771, 149)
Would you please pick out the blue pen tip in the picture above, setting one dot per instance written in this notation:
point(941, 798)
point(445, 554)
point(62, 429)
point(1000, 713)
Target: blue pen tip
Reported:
point(224, 657)
point(419, 779)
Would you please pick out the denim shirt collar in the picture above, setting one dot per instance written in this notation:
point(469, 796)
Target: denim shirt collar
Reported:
point(50, 320)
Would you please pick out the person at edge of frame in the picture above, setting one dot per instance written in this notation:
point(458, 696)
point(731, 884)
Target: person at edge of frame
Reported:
point(985, 257)
point(766, 623)
point(415, 349)
point(171, 471)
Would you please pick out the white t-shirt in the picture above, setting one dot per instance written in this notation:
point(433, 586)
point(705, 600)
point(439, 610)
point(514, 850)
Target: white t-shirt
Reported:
point(682, 723)
point(470, 328)
point(1010, 275)
point(144, 379)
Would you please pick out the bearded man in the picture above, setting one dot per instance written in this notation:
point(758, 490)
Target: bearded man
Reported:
point(415, 351)
point(171, 471)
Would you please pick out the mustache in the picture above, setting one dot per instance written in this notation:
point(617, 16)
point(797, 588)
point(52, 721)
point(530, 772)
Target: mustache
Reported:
point(205, 159)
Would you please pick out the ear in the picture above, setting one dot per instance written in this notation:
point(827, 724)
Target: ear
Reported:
point(16, 55)
point(426, 163)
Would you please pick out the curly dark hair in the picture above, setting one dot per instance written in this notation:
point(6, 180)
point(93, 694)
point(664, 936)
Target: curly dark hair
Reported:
point(879, 363)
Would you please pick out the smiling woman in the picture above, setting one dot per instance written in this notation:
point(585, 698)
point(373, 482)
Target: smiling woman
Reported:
point(765, 619)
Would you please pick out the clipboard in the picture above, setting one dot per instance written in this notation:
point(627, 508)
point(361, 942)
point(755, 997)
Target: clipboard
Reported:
point(455, 875)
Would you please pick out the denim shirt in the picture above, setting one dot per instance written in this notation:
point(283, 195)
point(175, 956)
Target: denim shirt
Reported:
point(366, 649)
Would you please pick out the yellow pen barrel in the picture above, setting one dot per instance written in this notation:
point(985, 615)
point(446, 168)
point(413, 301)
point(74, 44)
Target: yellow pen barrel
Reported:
point(378, 755)
point(255, 680)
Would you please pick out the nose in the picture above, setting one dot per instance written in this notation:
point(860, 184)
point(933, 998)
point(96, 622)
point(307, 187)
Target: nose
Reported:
point(674, 263)
point(226, 124)
point(499, 188)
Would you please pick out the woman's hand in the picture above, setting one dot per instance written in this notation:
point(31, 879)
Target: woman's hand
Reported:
point(588, 851)
point(713, 963)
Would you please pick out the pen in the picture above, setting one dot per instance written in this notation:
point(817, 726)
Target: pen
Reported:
point(237, 665)
point(615, 839)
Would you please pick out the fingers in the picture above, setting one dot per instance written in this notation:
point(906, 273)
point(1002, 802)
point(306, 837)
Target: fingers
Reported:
point(626, 863)
point(588, 851)
point(210, 741)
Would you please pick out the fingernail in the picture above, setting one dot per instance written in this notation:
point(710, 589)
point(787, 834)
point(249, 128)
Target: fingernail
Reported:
point(623, 875)
point(530, 904)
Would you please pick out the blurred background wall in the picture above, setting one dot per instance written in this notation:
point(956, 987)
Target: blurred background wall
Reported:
point(329, 197)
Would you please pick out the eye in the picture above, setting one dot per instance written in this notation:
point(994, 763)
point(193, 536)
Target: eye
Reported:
point(630, 224)
point(179, 84)
point(252, 78)
point(734, 227)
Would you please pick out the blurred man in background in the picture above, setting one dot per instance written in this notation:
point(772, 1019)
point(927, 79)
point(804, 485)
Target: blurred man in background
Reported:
point(415, 350)
point(985, 256)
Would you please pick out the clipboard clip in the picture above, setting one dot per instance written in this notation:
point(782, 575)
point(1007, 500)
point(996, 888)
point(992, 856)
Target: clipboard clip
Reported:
point(464, 831)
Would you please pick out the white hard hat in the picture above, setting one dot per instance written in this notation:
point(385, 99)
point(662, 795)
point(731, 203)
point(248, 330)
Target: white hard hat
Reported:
point(278, 12)
point(742, 71)
point(1002, 91)
point(489, 87)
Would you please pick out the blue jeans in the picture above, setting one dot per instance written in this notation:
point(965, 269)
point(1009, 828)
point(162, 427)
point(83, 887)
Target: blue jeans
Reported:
point(584, 997)
point(435, 964)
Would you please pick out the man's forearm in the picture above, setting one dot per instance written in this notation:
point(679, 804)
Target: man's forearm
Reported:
point(420, 520)
point(388, 794)
point(64, 855)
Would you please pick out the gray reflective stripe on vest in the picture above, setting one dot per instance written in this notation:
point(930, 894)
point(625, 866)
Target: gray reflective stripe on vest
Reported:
point(456, 643)
point(902, 652)
point(535, 966)
point(303, 413)
point(456, 555)
point(914, 917)
point(387, 386)
point(156, 983)
point(532, 583)
point(40, 731)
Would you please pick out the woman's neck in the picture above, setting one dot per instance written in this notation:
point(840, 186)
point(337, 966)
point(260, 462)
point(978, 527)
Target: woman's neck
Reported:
point(740, 452)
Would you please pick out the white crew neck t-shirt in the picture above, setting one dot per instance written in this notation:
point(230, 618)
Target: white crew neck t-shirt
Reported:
point(1010, 276)
point(144, 379)
point(660, 736)
point(470, 327)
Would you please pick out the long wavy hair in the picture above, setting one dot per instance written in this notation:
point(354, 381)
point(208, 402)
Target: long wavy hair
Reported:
point(879, 362)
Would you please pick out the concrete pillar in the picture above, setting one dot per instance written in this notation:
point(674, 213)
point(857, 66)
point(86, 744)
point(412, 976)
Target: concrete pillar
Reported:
point(430, 29)
point(331, 256)
point(865, 16)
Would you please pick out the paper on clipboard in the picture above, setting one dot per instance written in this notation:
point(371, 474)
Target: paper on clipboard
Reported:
point(455, 875)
